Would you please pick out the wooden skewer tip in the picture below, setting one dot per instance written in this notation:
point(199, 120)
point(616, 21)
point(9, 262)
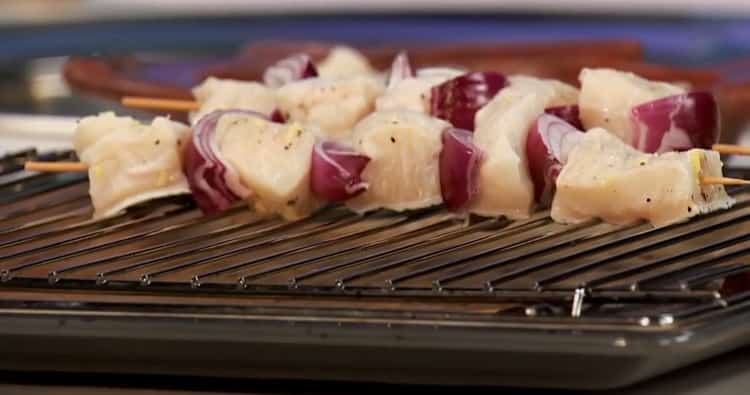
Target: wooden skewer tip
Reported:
point(731, 149)
point(55, 167)
point(723, 181)
point(159, 104)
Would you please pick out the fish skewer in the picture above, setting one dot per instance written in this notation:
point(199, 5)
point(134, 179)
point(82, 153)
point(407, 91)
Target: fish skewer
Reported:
point(222, 165)
point(78, 167)
point(292, 193)
point(635, 114)
point(192, 105)
point(230, 156)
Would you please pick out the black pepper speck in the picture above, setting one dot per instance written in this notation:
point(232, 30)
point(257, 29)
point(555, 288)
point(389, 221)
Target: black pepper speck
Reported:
point(393, 139)
point(157, 142)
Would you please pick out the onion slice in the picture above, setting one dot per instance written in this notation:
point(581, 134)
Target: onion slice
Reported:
point(458, 100)
point(459, 168)
point(548, 144)
point(293, 68)
point(676, 123)
point(400, 69)
point(336, 171)
point(569, 114)
point(277, 116)
point(214, 183)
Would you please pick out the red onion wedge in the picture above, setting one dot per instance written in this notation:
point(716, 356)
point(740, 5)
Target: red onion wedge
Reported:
point(676, 123)
point(459, 168)
point(277, 116)
point(458, 100)
point(569, 114)
point(292, 68)
point(400, 69)
point(215, 185)
point(336, 170)
point(548, 143)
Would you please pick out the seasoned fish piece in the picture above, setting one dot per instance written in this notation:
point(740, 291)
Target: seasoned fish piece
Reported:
point(607, 97)
point(272, 160)
point(224, 94)
point(408, 94)
point(130, 162)
point(404, 148)
point(557, 92)
point(334, 105)
point(505, 186)
point(414, 93)
point(606, 178)
point(343, 62)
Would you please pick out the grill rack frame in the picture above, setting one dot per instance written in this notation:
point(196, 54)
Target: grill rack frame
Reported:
point(621, 331)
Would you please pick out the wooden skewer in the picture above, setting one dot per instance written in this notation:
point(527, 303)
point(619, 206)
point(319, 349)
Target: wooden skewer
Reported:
point(723, 181)
point(55, 167)
point(731, 149)
point(160, 104)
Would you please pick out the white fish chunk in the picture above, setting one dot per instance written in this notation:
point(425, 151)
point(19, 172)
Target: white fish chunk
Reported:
point(130, 162)
point(404, 149)
point(344, 62)
point(607, 97)
point(273, 161)
point(334, 105)
point(408, 94)
point(414, 93)
point(440, 74)
point(505, 186)
point(224, 94)
point(608, 179)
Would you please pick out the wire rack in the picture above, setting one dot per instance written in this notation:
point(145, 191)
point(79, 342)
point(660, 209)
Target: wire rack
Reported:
point(425, 268)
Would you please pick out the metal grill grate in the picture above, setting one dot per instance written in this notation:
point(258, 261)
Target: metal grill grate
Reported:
point(417, 297)
point(594, 270)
